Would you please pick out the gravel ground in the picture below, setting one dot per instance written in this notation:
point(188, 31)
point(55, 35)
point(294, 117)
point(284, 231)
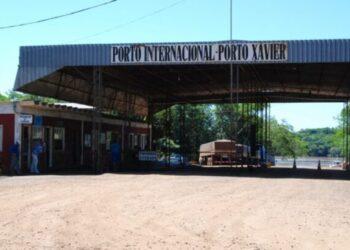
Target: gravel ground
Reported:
point(174, 211)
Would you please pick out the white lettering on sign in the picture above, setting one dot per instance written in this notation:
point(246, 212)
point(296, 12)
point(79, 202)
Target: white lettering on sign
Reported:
point(25, 119)
point(200, 53)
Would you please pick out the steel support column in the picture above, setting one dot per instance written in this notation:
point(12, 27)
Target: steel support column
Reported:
point(182, 131)
point(167, 134)
point(97, 119)
point(265, 128)
point(150, 126)
point(347, 134)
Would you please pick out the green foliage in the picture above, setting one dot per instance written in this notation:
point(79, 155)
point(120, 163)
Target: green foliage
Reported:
point(190, 126)
point(3, 98)
point(163, 143)
point(321, 141)
point(233, 121)
point(17, 96)
point(285, 142)
point(225, 116)
point(338, 147)
point(204, 123)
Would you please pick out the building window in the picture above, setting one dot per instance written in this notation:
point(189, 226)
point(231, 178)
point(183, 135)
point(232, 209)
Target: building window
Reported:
point(58, 138)
point(136, 140)
point(131, 141)
point(87, 140)
point(108, 140)
point(102, 138)
point(37, 133)
point(143, 141)
point(1, 136)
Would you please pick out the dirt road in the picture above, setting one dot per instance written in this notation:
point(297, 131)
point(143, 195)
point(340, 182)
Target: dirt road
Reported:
point(136, 211)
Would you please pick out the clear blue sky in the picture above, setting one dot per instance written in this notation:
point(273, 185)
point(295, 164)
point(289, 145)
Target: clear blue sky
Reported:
point(191, 20)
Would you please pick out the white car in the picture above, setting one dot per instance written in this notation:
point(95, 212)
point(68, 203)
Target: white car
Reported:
point(178, 160)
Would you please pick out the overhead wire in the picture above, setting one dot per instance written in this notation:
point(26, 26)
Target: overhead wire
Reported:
point(155, 12)
point(56, 17)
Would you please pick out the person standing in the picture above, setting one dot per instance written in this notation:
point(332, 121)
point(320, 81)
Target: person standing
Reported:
point(14, 151)
point(37, 150)
point(116, 155)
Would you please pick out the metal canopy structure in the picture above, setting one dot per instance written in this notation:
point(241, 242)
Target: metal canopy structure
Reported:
point(141, 79)
point(137, 77)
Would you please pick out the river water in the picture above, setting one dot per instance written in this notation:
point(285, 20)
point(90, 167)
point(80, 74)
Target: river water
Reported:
point(310, 162)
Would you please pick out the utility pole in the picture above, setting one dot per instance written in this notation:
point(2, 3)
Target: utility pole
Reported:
point(231, 91)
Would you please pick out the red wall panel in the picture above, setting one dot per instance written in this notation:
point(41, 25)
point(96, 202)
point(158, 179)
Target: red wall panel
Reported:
point(7, 120)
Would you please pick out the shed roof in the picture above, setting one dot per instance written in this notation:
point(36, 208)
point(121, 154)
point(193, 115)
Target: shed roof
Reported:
point(78, 112)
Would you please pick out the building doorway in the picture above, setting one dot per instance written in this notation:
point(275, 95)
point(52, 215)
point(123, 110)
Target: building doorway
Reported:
point(25, 149)
point(48, 147)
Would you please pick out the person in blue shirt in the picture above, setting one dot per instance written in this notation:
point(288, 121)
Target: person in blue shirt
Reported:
point(116, 154)
point(14, 151)
point(37, 150)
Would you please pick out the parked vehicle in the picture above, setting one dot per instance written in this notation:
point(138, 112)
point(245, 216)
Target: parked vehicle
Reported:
point(175, 160)
point(227, 152)
point(178, 160)
point(219, 152)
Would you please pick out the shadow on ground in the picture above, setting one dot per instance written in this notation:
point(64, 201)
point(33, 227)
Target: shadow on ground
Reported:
point(228, 171)
point(255, 172)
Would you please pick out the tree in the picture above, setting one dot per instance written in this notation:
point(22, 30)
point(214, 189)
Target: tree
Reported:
point(192, 125)
point(164, 143)
point(3, 98)
point(226, 116)
point(320, 141)
point(339, 137)
point(285, 142)
point(189, 127)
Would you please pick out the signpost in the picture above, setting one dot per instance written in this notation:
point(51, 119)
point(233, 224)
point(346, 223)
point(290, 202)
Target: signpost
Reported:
point(25, 119)
point(200, 53)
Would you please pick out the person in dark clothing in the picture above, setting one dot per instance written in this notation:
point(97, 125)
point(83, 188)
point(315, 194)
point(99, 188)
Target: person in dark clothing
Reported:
point(14, 151)
point(116, 154)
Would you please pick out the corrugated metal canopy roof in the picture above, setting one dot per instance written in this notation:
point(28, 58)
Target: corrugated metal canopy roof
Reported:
point(315, 70)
